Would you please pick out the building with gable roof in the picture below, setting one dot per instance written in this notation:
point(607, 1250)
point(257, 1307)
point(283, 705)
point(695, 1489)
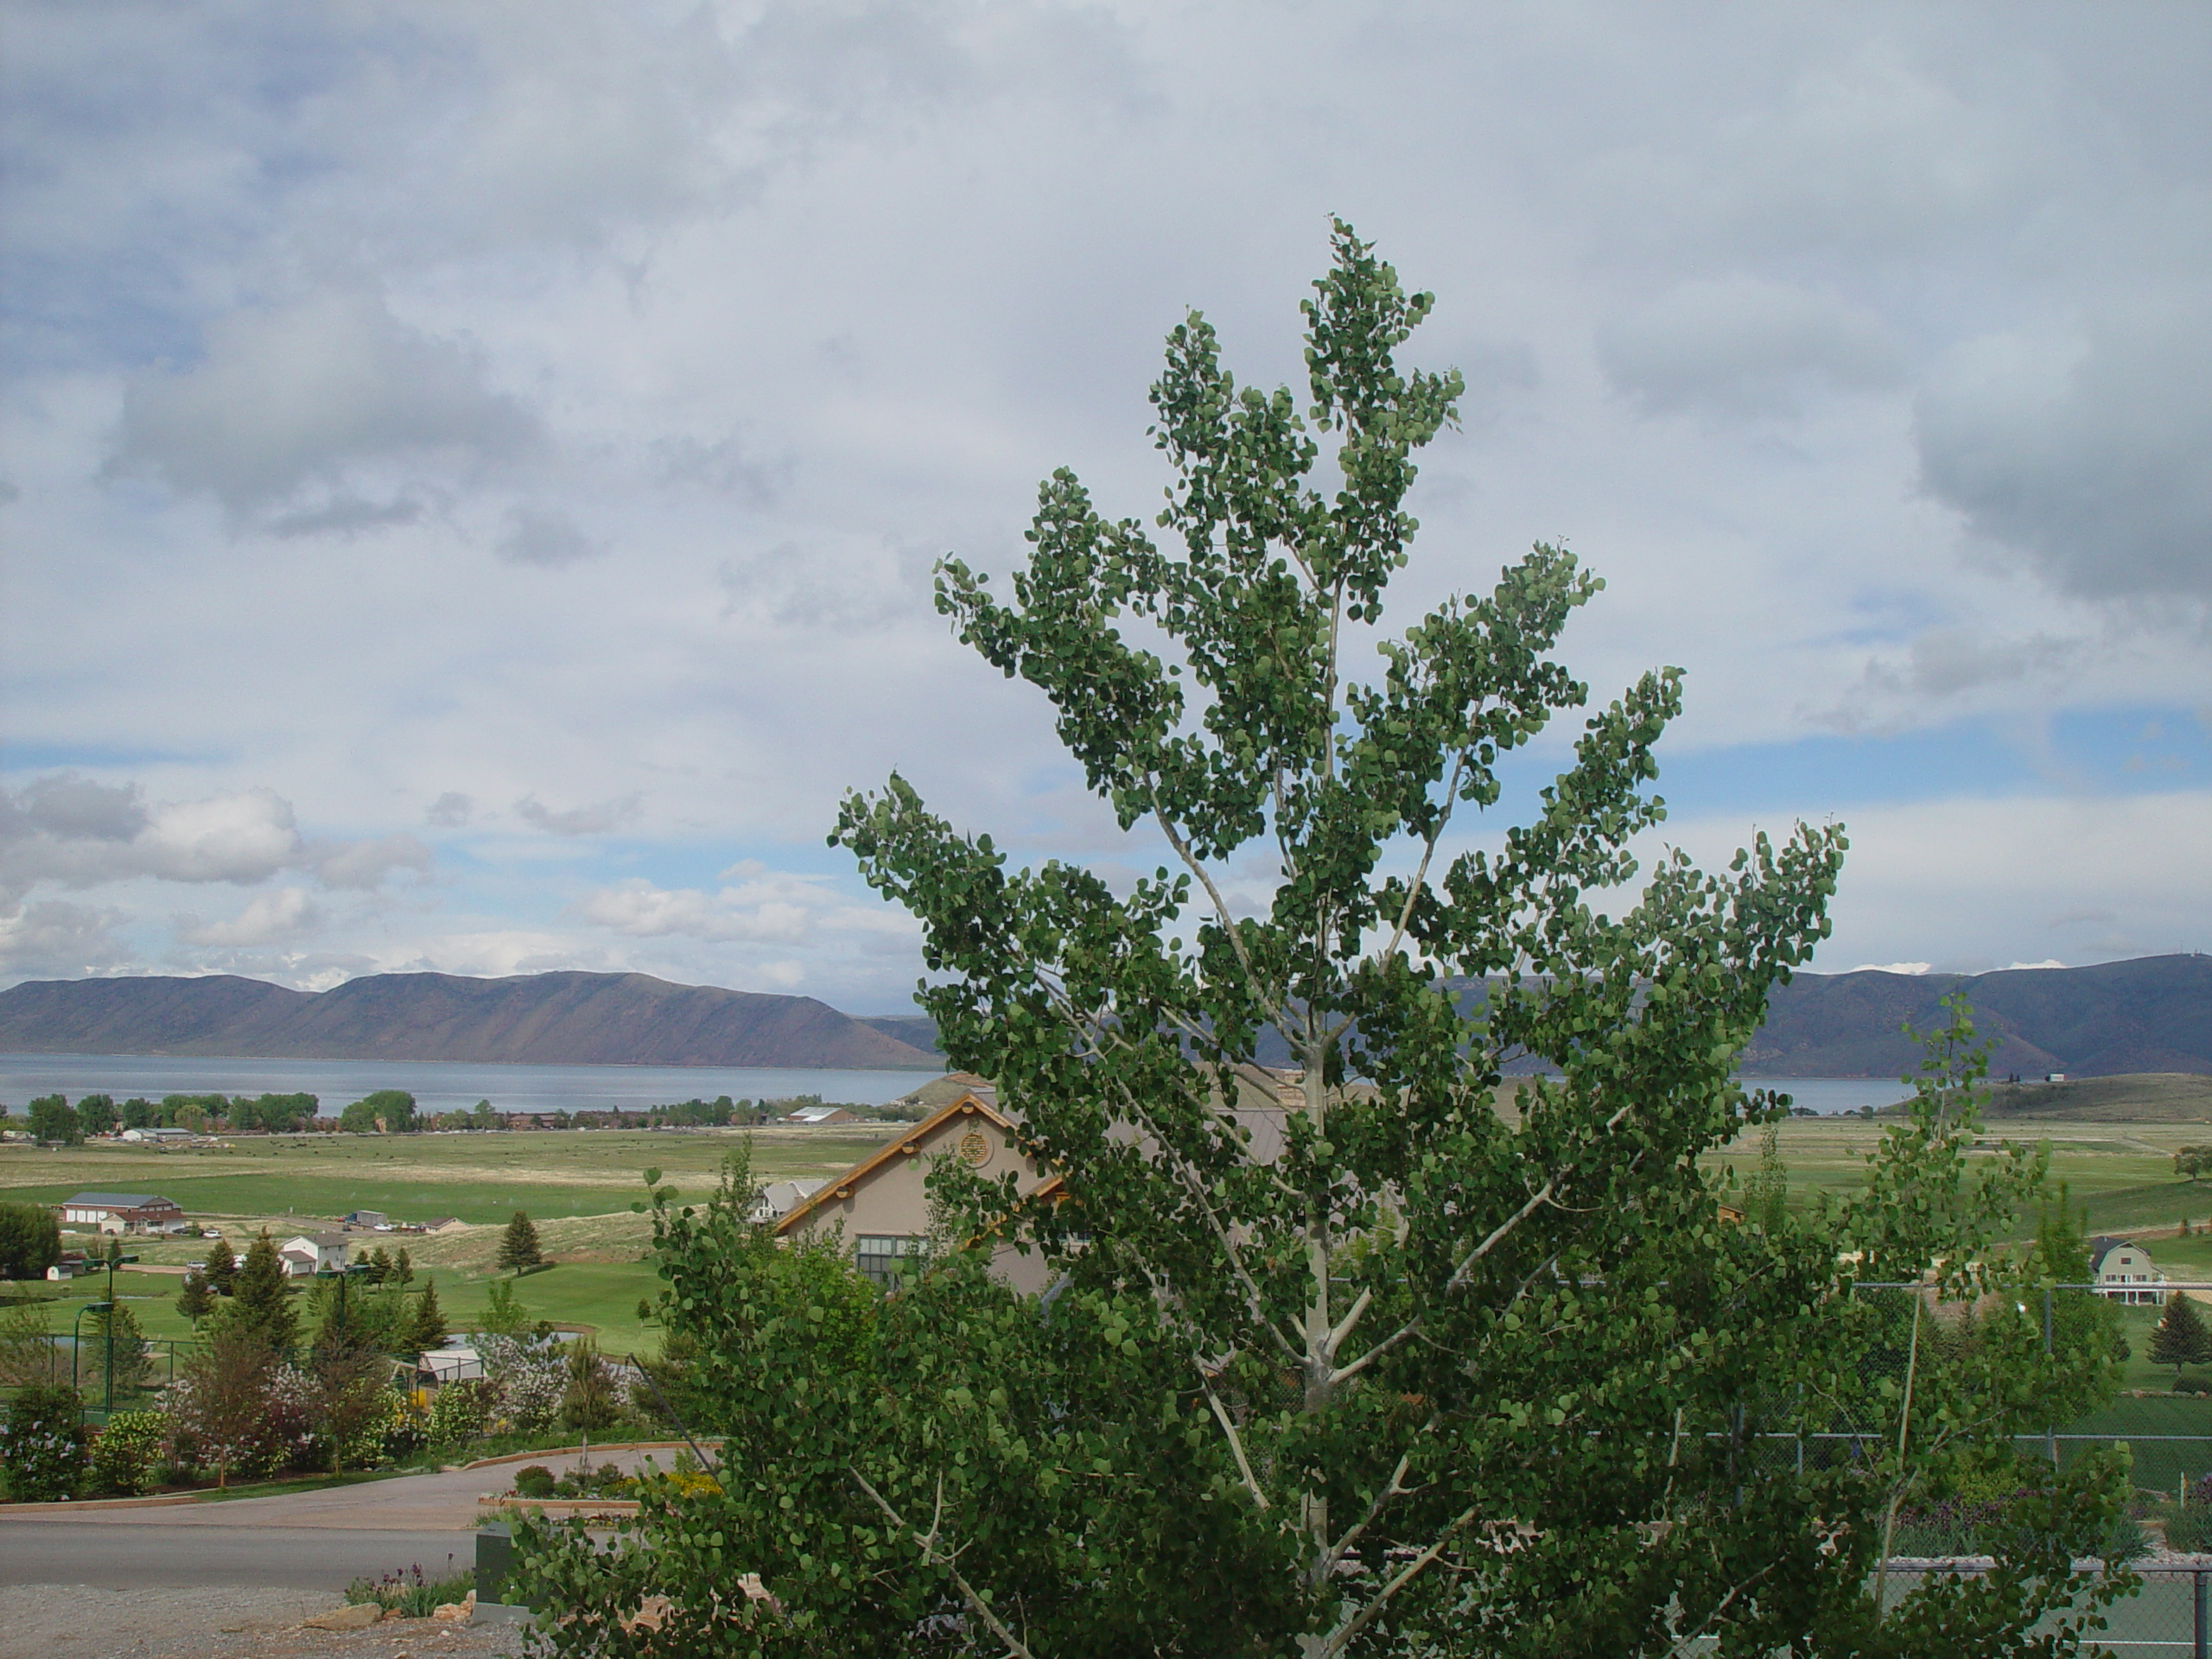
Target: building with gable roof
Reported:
point(123, 1212)
point(2122, 1270)
point(882, 1202)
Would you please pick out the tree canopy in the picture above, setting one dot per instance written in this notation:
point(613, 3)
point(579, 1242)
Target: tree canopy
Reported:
point(1392, 1308)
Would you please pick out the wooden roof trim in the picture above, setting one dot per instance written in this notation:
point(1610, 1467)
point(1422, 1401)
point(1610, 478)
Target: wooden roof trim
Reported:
point(967, 1105)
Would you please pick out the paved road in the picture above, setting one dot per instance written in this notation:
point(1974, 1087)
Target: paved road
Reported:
point(304, 1541)
point(274, 1558)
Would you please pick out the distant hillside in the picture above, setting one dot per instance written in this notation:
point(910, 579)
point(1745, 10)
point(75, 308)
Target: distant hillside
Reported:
point(2153, 1097)
point(2152, 1014)
point(565, 1018)
point(918, 1029)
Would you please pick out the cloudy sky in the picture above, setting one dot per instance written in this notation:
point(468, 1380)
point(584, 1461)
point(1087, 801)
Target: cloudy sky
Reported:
point(471, 471)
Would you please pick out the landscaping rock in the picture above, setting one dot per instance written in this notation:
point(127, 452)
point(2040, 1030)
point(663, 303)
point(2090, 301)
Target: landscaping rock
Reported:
point(354, 1616)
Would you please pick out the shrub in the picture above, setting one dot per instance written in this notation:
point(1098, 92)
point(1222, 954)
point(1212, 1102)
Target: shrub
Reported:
point(2191, 1530)
point(128, 1455)
point(531, 1375)
point(414, 1593)
point(41, 1446)
point(458, 1413)
point(535, 1480)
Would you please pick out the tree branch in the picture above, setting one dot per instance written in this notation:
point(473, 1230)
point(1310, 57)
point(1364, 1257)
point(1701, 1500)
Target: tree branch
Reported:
point(936, 1556)
point(1340, 1639)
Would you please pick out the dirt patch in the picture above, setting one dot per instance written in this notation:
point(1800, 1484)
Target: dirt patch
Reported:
point(60, 1621)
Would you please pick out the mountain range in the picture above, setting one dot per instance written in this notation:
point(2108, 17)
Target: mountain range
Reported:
point(562, 1019)
point(2150, 1015)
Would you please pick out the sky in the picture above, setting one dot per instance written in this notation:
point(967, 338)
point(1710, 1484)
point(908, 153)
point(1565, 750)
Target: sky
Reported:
point(470, 475)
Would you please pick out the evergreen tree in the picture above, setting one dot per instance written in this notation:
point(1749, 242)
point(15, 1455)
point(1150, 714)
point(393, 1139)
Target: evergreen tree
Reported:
point(30, 1241)
point(222, 1269)
point(518, 1247)
point(380, 1265)
point(402, 1269)
point(427, 1330)
point(196, 1300)
point(2181, 1337)
point(261, 1301)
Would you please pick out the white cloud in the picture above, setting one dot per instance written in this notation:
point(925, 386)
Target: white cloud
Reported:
point(366, 864)
point(56, 939)
point(595, 819)
point(290, 406)
point(1744, 344)
point(2082, 454)
point(1915, 969)
point(270, 917)
point(765, 907)
point(550, 539)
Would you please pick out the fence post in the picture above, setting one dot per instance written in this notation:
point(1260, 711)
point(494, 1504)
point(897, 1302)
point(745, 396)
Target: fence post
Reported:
point(2046, 1321)
point(2200, 1626)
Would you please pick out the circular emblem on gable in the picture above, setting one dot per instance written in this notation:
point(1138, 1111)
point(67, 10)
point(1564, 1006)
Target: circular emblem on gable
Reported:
point(974, 1149)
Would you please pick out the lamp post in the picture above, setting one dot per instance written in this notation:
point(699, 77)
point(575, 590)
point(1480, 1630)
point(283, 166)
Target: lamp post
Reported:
point(76, 1338)
point(352, 1269)
point(116, 1258)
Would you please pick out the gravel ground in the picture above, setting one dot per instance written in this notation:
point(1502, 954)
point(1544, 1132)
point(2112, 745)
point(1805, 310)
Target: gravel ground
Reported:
point(59, 1621)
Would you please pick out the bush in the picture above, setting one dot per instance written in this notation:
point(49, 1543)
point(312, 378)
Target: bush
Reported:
point(535, 1480)
point(2190, 1530)
point(127, 1457)
point(414, 1593)
point(458, 1414)
point(41, 1446)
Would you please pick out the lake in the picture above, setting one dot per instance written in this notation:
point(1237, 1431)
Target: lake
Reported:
point(437, 1086)
point(444, 1087)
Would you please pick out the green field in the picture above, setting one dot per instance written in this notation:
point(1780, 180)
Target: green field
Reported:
point(477, 1178)
point(577, 1184)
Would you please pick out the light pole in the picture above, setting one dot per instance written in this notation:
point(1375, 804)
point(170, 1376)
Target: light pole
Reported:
point(116, 1258)
point(341, 1274)
point(77, 1339)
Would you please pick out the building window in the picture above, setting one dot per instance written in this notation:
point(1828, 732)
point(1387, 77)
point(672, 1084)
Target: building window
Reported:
point(877, 1255)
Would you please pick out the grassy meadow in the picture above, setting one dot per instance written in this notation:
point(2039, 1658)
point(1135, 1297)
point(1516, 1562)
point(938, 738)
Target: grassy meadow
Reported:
point(577, 1184)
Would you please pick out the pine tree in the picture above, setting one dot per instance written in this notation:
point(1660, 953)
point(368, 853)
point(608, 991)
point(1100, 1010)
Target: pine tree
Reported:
point(195, 1299)
point(261, 1302)
point(2181, 1337)
point(518, 1248)
point(402, 1268)
point(222, 1267)
point(380, 1265)
point(427, 1330)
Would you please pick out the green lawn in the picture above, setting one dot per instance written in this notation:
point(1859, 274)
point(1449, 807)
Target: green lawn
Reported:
point(602, 1297)
point(477, 1177)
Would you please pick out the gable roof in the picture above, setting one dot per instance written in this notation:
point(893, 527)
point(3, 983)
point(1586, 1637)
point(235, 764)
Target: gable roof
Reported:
point(2103, 1245)
point(971, 1101)
point(113, 1201)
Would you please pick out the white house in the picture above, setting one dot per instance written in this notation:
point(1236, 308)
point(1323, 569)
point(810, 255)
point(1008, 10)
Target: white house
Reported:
point(777, 1198)
point(156, 1137)
point(2123, 1271)
point(123, 1212)
point(817, 1117)
point(313, 1252)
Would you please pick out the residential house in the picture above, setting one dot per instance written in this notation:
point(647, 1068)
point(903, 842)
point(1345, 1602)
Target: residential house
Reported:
point(123, 1212)
point(883, 1206)
point(312, 1253)
point(2123, 1270)
point(444, 1224)
point(777, 1198)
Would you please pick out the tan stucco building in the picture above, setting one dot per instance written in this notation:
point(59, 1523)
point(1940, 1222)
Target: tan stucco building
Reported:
point(882, 1202)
